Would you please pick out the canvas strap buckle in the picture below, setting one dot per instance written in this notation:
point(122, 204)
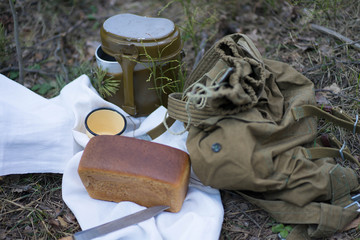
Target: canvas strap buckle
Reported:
point(356, 200)
point(218, 73)
point(355, 123)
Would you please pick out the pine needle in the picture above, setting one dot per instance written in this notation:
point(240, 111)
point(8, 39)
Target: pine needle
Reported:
point(105, 84)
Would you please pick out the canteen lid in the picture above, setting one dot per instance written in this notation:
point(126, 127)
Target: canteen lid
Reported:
point(129, 34)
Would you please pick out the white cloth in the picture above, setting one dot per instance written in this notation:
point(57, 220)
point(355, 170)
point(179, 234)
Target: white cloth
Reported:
point(48, 135)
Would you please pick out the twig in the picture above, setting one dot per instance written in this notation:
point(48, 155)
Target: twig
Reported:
point(14, 203)
point(47, 229)
point(337, 35)
point(247, 215)
point(341, 45)
point(67, 32)
point(17, 42)
point(251, 219)
point(262, 226)
point(63, 34)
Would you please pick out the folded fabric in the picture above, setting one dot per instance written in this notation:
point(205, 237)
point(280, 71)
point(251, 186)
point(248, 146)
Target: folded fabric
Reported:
point(36, 132)
point(48, 135)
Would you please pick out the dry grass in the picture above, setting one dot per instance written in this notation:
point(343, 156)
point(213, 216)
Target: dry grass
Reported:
point(58, 40)
point(32, 208)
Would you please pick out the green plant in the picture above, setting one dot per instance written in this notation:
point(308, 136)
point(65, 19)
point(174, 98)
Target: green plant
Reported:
point(162, 81)
point(198, 18)
point(105, 84)
point(282, 230)
point(14, 75)
point(59, 84)
point(42, 88)
point(77, 70)
point(168, 76)
point(52, 88)
point(318, 8)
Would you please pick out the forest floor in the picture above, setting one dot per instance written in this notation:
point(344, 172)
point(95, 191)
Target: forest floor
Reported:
point(58, 40)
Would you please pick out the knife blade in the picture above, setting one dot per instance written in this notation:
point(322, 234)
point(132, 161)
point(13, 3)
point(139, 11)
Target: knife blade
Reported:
point(117, 224)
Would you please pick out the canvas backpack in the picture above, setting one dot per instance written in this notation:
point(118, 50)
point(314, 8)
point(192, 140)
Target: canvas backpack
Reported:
point(252, 126)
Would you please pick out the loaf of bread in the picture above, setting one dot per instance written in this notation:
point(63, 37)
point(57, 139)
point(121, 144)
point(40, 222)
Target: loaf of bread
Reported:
point(119, 168)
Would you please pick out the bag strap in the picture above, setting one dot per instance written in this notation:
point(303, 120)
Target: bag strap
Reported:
point(247, 44)
point(331, 114)
point(160, 129)
point(179, 109)
point(321, 219)
point(318, 217)
point(186, 112)
point(321, 152)
point(340, 182)
point(190, 107)
point(335, 116)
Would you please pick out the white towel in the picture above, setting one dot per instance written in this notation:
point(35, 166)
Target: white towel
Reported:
point(41, 135)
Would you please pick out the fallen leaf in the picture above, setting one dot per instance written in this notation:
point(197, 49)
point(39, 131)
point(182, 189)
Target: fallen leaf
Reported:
point(307, 16)
point(249, 16)
point(20, 189)
point(54, 222)
point(39, 56)
point(50, 64)
point(70, 218)
point(334, 88)
point(62, 222)
point(321, 98)
point(28, 229)
point(57, 211)
point(354, 224)
point(253, 35)
point(326, 50)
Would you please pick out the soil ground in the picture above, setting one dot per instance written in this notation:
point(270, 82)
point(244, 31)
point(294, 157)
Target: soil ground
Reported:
point(58, 40)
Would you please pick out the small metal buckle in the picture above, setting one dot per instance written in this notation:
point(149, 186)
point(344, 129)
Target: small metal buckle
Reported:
point(341, 151)
point(356, 200)
point(356, 121)
point(226, 74)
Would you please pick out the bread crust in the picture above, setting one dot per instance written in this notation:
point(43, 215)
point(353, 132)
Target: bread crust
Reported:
point(119, 168)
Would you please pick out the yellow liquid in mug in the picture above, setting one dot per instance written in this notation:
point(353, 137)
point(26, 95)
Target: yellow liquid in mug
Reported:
point(105, 133)
point(105, 122)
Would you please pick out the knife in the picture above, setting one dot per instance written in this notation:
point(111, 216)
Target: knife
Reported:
point(117, 224)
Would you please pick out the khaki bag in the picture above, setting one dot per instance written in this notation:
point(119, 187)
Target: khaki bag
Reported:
point(252, 126)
